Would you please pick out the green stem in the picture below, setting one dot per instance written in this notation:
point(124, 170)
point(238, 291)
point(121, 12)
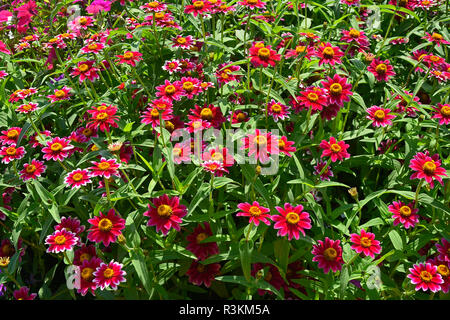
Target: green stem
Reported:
point(248, 232)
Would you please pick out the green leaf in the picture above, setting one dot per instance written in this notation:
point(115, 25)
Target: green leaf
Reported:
point(343, 280)
point(245, 252)
point(138, 261)
point(396, 240)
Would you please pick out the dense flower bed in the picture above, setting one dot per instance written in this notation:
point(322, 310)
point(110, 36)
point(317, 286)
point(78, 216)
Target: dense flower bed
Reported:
point(210, 150)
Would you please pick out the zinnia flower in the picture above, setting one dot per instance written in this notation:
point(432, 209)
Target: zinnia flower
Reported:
point(27, 108)
point(77, 178)
point(32, 170)
point(264, 56)
point(277, 110)
point(106, 228)
point(365, 243)
point(57, 149)
point(109, 275)
point(313, 98)
point(382, 70)
point(129, 57)
point(10, 136)
point(427, 168)
point(329, 54)
point(328, 254)
point(425, 276)
point(336, 150)
point(202, 274)
point(87, 269)
point(11, 153)
point(444, 250)
point(443, 269)
point(196, 245)
point(255, 212)
point(380, 116)
point(405, 214)
point(338, 90)
point(291, 221)
point(105, 168)
point(61, 240)
point(22, 294)
point(436, 38)
point(442, 112)
point(165, 213)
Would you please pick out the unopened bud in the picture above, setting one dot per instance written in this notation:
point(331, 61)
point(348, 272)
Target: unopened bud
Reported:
point(353, 192)
point(258, 170)
point(121, 239)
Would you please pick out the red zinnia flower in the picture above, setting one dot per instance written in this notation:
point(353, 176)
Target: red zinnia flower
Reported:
point(277, 110)
point(224, 73)
point(328, 254)
point(172, 91)
point(32, 170)
point(427, 168)
point(435, 38)
point(202, 274)
point(338, 90)
point(253, 4)
point(103, 117)
point(77, 178)
point(379, 116)
point(337, 150)
point(365, 243)
point(329, 54)
point(11, 135)
point(27, 108)
point(261, 55)
point(57, 149)
point(85, 253)
point(85, 69)
point(152, 116)
point(221, 155)
point(93, 47)
point(11, 153)
point(109, 275)
point(22, 294)
point(196, 245)
point(215, 167)
point(239, 116)
point(260, 145)
point(207, 113)
point(443, 269)
point(404, 214)
point(181, 152)
point(291, 221)
point(61, 240)
point(382, 70)
point(172, 66)
point(313, 98)
point(355, 36)
point(105, 168)
point(444, 250)
point(106, 228)
point(183, 42)
point(425, 276)
point(87, 269)
point(285, 146)
point(166, 213)
point(70, 224)
point(129, 57)
point(255, 212)
point(198, 7)
point(442, 113)
point(190, 87)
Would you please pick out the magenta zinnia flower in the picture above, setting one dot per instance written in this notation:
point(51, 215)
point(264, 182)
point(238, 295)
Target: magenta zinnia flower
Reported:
point(444, 250)
point(61, 240)
point(338, 90)
point(202, 274)
point(427, 168)
point(365, 243)
point(436, 38)
point(328, 254)
point(277, 110)
point(10, 136)
point(201, 249)
point(382, 70)
point(166, 213)
point(129, 57)
point(255, 212)
point(109, 275)
point(326, 174)
point(105, 168)
point(77, 178)
point(260, 145)
point(329, 54)
point(337, 150)
point(442, 113)
point(264, 56)
point(313, 98)
point(22, 294)
point(57, 149)
point(87, 269)
point(32, 170)
point(425, 276)
point(443, 269)
point(11, 153)
point(285, 146)
point(106, 228)
point(404, 214)
point(380, 116)
point(291, 221)
point(27, 108)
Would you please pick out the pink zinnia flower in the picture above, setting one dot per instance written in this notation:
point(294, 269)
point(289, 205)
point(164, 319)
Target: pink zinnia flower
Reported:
point(427, 168)
point(57, 149)
point(77, 178)
point(405, 214)
point(425, 276)
point(253, 4)
point(326, 174)
point(106, 228)
point(32, 170)
point(86, 70)
point(105, 168)
point(285, 146)
point(129, 57)
point(379, 116)
point(109, 275)
point(70, 224)
point(165, 213)
point(154, 6)
point(85, 253)
point(27, 108)
point(207, 113)
point(444, 250)
point(365, 243)
point(183, 42)
point(10, 136)
point(61, 240)
point(215, 167)
point(198, 7)
point(98, 5)
point(103, 117)
point(172, 91)
point(22, 294)
point(436, 38)
point(172, 66)
point(221, 155)
point(153, 115)
point(264, 56)
point(11, 153)
point(329, 54)
point(382, 70)
point(328, 254)
point(443, 269)
point(313, 98)
point(181, 152)
point(202, 274)
point(261, 145)
point(291, 221)
point(337, 150)
point(277, 110)
point(442, 113)
point(355, 36)
point(87, 269)
point(224, 73)
point(255, 212)
point(196, 245)
point(93, 47)
point(338, 90)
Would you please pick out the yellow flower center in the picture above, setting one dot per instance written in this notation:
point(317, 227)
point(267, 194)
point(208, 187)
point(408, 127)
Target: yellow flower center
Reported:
point(260, 140)
point(169, 126)
point(217, 156)
point(60, 94)
point(443, 270)
point(300, 49)
point(313, 97)
point(102, 116)
point(28, 38)
point(255, 211)
point(94, 148)
point(170, 89)
point(281, 144)
point(153, 4)
point(252, 1)
point(56, 146)
point(11, 151)
point(155, 113)
point(206, 114)
point(354, 33)
point(87, 132)
point(105, 225)
point(263, 53)
point(366, 242)
point(292, 218)
point(330, 254)
point(336, 89)
point(379, 115)
point(104, 165)
point(92, 46)
point(31, 168)
point(405, 211)
point(82, 21)
point(85, 256)
point(429, 167)
point(77, 177)
point(436, 36)
point(445, 111)
point(181, 40)
point(276, 108)
point(164, 211)
point(83, 67)
point(426, 276)
point(87, 274)
point(188, 86)
point(108, 273)
point(381, 68)
point(328, 52)
point(199, 5)
point(159, 15)
point(240, 116)
point(4, 261)
point(60, 239)
point(128, 55)
point(335, 147)
point(12, 134)
point(201, 236)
